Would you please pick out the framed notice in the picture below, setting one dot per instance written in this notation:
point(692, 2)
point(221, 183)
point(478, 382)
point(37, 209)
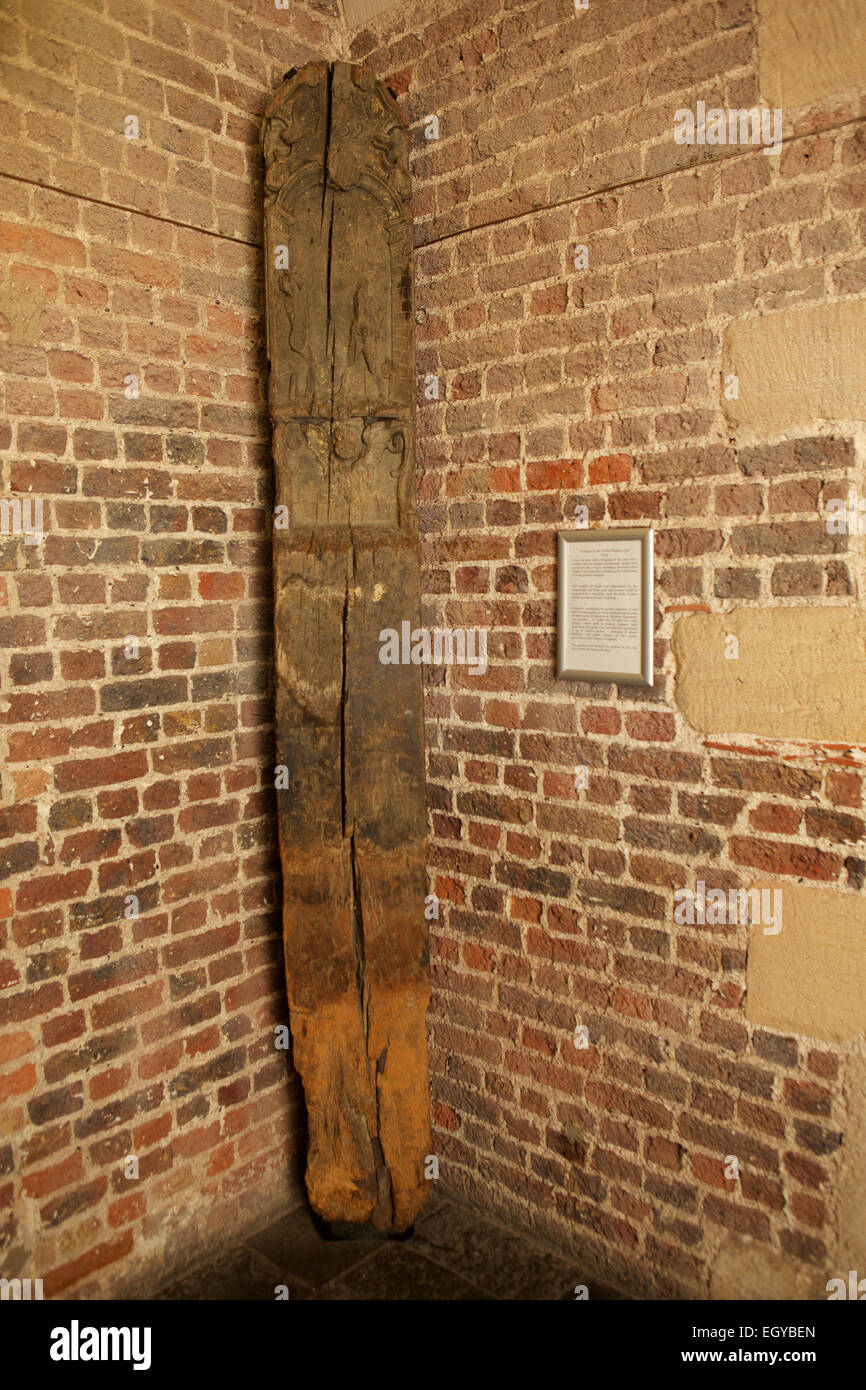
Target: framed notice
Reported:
point(605, 589)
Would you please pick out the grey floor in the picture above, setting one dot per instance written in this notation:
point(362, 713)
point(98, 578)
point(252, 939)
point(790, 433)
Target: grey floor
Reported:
point(454, 1253)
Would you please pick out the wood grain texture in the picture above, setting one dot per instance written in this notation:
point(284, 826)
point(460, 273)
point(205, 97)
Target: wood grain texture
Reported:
point(352, 822)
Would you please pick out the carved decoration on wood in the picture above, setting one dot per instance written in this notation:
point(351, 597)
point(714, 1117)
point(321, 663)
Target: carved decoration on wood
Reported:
point(352, 823)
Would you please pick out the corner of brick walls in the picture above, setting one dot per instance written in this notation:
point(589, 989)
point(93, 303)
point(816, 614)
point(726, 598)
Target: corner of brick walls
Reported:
point(602, 387)
point(141, 771)
point(598, 388)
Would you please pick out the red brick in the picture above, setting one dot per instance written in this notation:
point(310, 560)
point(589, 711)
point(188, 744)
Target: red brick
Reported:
point(221, 586)
point(98, 1257)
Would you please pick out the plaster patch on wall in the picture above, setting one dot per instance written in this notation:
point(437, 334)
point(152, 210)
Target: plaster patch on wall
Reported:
point(810, 978)
point(21, 306)
point(744, 1270)
point(357, 12)
point(852, 1193)
point(799, 673)
point(797, 367)
point(808, 51)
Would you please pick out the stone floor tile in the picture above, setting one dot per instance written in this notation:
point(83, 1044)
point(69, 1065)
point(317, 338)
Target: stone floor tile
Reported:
point(239, 1274)
point(399, 1273)
point(506, 1264)
point(295, 1247)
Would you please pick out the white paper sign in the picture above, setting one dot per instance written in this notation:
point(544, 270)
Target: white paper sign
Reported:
point(605, 605)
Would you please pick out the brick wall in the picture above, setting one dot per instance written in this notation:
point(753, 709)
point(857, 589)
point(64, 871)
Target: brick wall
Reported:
point(603, 387)
point(150, 774)
point(135, 713)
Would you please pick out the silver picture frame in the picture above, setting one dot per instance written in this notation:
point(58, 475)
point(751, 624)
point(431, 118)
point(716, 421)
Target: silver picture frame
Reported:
point(571, 660)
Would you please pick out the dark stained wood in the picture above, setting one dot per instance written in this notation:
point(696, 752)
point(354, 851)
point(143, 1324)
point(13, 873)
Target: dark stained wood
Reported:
point(349, 729)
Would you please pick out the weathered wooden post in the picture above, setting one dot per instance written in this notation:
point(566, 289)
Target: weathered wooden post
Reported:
point(338, 248)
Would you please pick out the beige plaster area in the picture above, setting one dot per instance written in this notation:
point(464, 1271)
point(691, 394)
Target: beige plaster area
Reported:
point(852, 1189)
point(358, 12)
point(21, 305)
point(809, 50)
point(797, 673)
point(797, 367)
point(810, 977)
point(743, 1269)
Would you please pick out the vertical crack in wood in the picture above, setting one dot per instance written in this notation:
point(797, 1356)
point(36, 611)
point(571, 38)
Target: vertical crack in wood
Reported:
point(344, 680)
point(328, 198)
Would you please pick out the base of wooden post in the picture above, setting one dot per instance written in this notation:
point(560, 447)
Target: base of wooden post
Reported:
point(351, 1230)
